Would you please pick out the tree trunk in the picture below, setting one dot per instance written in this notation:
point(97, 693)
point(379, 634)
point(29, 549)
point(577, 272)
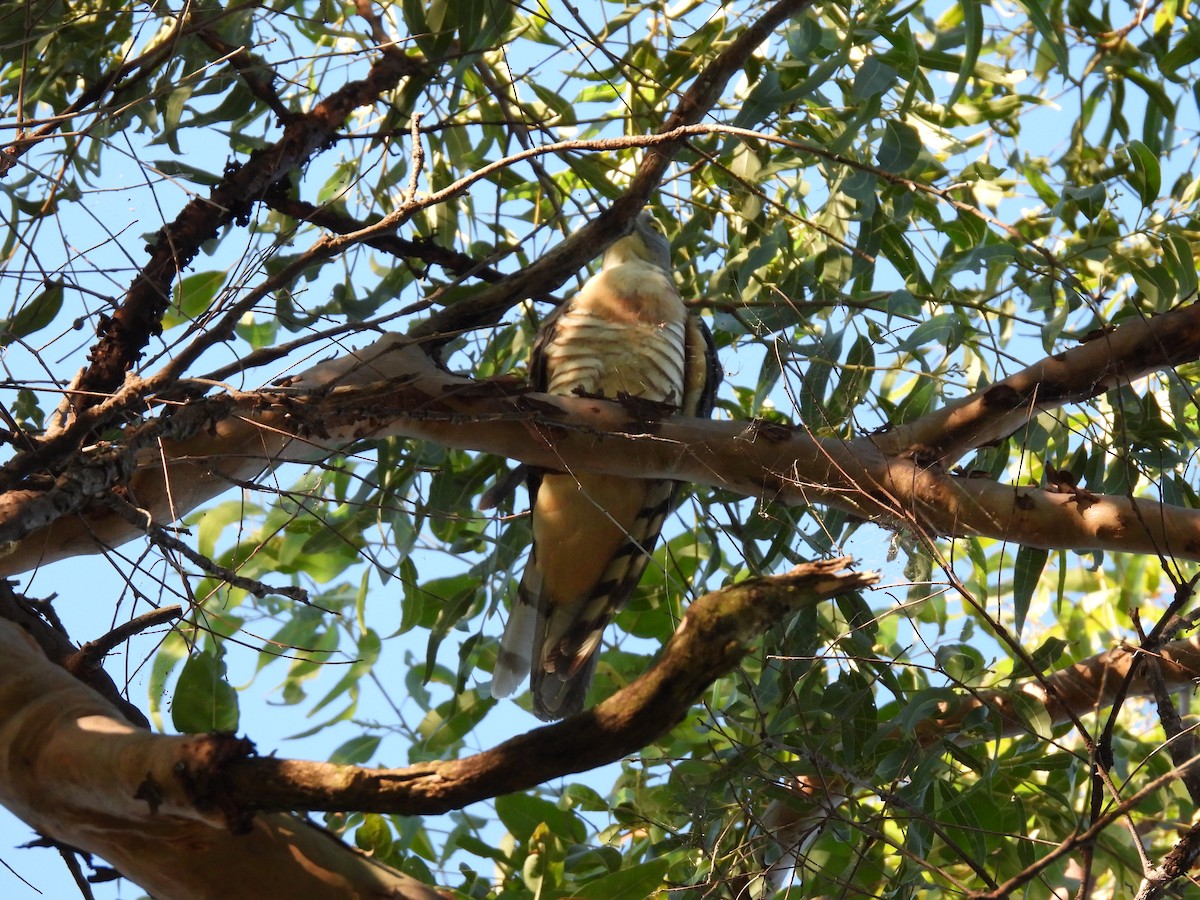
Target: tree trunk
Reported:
point(74, 769)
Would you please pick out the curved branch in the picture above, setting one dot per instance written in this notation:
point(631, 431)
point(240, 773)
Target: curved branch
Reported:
point(75, 770)
point(717, 630)
point(547, 273)
point(52, 639)
point(1116, 358)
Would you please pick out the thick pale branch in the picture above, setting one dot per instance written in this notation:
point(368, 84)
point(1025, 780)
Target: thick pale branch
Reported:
point(171, 813)
point(30, 617)
point(392, 389)
point(75, 770)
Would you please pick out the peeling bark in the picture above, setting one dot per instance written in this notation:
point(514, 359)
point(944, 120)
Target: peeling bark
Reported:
point(75, 770)
point(391, 388)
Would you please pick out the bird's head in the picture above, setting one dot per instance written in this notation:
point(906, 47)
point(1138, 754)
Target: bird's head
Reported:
point(646, 242)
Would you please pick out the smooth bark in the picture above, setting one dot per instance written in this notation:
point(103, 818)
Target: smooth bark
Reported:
point(391, 388)
point(73, 768)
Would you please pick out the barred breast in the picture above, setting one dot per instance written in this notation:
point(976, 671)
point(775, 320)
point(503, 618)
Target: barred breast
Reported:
point(593, 355)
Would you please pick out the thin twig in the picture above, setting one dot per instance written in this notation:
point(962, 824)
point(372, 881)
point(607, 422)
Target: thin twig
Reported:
point(163, 538)
point(418, 159)
point(92, 653)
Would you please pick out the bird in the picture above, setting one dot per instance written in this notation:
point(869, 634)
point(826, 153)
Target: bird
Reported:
point(625, 334)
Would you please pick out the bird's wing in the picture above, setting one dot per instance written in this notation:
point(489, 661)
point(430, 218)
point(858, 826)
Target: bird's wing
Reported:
point(508, 483)
point(517, 645)
point(702, 370)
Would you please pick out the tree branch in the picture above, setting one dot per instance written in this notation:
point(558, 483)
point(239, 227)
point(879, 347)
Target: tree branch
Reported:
point(91, 654)
point(74, 769)
point(1082, 688)
point(1087, 686)
point(58, 648)
point(716, 632)
point(123, 336)
point(548, 273)
point(391, 388)
point(1113, 359)
point(171, 812)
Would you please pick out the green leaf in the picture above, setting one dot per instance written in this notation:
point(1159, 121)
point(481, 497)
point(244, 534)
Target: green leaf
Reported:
point(297, 634)
point(595, 172)
point(945, 330)
point(1184, 53)
point(192, 297)
point(482, 25)
point(174, 168)
point(765, 100)
point(922, 706)
point(444, 726)
point(641, 880)
point(961, 662)
point(1155, 283)
point(873, 77)
point(1027, 572)
point(1146, 176)
point(472, 844)
point(523, 813)
point(557, 104)
point(598, 93)
point(431, 24)
point(1090, 199)
point(34, 315)
point(173, 650)
point(366, 654)
point(973, 39)
point(357, 751)
point(204, 701)
point(1043, 658)
point(1050, 34)
point(27, 412)
point(213, 521)
point(373, 835)
point(900, 147)
point(256, 333)
point(1181, 266)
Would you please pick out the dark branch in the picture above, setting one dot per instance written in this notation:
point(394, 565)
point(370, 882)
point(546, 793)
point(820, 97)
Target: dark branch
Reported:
point(161, 537)
point(58, 649)
point(123, 337)
point(426, 251)
point(92, 653)
point(549, 272)
point(716, 632)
